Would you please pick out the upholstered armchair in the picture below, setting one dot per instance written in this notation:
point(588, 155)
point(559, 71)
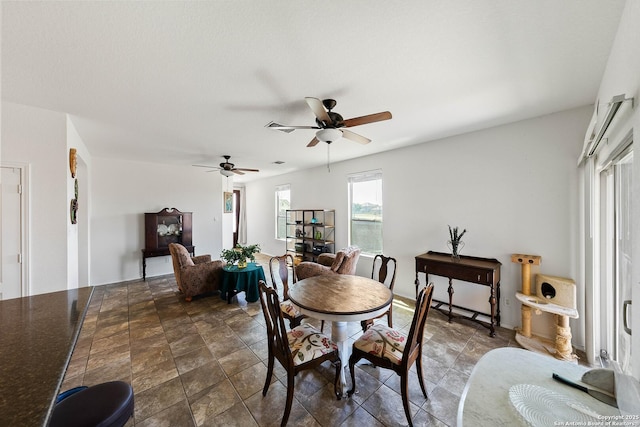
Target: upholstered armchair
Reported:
point(195, 275)
point(344, 262)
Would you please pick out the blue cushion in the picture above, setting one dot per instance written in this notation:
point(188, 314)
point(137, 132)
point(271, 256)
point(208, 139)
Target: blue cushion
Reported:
point(104, 405)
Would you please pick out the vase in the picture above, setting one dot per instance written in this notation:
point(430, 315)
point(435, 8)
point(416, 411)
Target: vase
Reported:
point(455, 247)
point(242, 263)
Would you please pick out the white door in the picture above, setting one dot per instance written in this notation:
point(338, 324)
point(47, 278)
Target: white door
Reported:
point(11, 229)
point(616, 260)
point(623, 259)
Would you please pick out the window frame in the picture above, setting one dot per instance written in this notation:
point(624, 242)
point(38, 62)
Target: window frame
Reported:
point(278, 217)
point(372, 175)
point(600, 265)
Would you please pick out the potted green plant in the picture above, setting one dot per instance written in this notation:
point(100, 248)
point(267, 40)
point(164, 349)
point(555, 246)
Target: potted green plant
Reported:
point(455, 243)
point(240, 254)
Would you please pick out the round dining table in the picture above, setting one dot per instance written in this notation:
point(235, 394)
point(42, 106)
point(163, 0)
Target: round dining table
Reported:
point(340, 299)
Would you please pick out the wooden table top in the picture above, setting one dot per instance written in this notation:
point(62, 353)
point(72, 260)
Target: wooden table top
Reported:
point(490, 263)
point(340, 294)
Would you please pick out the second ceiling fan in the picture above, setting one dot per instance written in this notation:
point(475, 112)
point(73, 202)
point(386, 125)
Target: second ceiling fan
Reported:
point(227, 168)
point(330, 125)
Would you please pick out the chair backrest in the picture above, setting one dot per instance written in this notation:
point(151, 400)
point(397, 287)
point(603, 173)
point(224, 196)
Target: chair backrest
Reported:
point(416, 332)
point(384, 270)
point(346, 260)
point(180, 258)
point(279, 270)
point(276, 331)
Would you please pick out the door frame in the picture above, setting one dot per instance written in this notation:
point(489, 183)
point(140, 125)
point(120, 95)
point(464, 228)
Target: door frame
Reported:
point(24, 222)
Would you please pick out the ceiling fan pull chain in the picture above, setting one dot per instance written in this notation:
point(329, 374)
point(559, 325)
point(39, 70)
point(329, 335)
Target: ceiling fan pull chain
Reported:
point(328, 158)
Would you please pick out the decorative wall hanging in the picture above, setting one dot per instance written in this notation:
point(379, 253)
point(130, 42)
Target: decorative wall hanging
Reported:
point(73, 161)
point(74, 204)
point(228, 202)
point(74, 211)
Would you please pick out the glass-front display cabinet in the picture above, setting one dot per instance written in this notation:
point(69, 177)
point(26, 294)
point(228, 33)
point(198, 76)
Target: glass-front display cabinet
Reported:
point(164, 227)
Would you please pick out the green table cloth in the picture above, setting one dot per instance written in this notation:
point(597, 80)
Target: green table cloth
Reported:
point(236, 280)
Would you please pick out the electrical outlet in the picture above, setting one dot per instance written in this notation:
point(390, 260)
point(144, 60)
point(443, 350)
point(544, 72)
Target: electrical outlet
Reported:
point(507, 301)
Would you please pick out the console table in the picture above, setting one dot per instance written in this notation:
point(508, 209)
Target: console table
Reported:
point(151, 253)
point(481, 271)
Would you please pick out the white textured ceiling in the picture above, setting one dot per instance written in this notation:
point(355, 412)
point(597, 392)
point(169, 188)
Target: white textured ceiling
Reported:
point(186, 82)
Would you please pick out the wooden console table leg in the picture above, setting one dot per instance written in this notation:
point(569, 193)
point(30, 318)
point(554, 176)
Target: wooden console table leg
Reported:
point(144, 268)
point(498, 304)
point(450, 291)
point(492, 302)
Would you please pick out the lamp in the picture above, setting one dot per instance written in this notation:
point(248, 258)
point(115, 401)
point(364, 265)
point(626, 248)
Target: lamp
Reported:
point(329, 135)
point(226, 173)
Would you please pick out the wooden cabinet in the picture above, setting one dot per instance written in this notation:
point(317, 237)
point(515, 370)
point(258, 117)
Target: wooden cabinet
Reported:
point(310, 232)
point(164, 227)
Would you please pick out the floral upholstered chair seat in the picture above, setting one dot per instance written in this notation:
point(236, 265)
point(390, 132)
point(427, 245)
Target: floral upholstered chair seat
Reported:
point(307, 343)
point(289, 309)
point(384, 342)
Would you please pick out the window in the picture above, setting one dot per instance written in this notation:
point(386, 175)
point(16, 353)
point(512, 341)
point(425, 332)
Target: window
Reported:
point(365, 211)
point(283, 202)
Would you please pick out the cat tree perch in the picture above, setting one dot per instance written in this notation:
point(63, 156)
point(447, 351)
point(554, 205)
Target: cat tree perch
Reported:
point(555, 295)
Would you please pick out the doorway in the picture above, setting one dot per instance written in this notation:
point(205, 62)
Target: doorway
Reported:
point(616, 260)
point(236, 216)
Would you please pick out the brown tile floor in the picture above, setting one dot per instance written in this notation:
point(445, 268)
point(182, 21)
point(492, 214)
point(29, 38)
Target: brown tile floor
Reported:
point(203, 363)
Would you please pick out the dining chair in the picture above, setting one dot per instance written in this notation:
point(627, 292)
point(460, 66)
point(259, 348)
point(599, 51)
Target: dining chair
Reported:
point(391, 349)
point(384, 271)
point(279, 270)
point(301, 348)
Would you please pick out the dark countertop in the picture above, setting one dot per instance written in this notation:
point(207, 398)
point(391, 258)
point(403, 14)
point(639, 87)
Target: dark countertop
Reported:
point(37, 337)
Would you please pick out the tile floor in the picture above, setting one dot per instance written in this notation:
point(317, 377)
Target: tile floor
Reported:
point(203, 363)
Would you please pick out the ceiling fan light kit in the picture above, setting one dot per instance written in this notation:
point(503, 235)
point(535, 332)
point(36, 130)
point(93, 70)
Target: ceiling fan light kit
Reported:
point(226, 173)
point(329, 135)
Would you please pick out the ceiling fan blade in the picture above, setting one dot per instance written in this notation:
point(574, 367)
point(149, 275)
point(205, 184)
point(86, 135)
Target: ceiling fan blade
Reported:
point(237, 171)
point(245, 170)
point(313, 142)
point(205, 166)
point(318, 109)
point(377, 117)
point(287, 129)
point(354, 137)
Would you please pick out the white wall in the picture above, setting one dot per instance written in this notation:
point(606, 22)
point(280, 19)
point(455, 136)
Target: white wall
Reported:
point(78, 252)
point(38, 137)
point(124, 190)
point(514, 188)
point(622, 76)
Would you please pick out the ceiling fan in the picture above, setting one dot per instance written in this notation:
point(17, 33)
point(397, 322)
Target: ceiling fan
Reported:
point(227, 168)
point(331, 126)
